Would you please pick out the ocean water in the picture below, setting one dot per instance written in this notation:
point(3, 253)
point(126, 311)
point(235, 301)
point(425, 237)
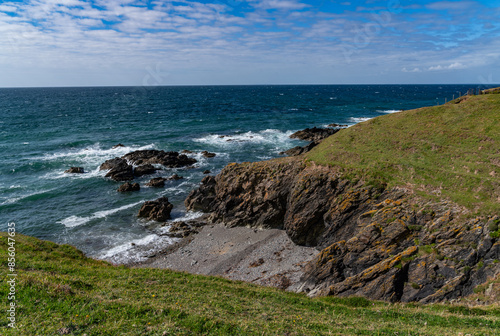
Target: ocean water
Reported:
point(44, 131)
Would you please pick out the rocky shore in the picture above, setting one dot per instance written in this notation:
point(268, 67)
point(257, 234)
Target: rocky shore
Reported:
point(295, 225)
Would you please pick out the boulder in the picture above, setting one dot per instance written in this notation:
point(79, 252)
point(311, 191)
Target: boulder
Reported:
point(74, 170)
point(208, 154)
point(175, 177)
point(206, 172)
point(129, 187)
point(157, 182)
point(119, 169)
point(167, 159)
point(146, 169)
point(158, 210)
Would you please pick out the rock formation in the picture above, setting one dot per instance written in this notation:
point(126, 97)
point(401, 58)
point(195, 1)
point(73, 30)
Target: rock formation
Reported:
point(74, 170)
point(158, 210)
point(129, 187)
point(376, 242)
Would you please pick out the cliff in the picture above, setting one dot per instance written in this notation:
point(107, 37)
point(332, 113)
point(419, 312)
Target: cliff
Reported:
point(404, 207)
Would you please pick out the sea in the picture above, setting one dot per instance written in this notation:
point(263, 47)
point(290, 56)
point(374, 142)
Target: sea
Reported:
point(44, 131)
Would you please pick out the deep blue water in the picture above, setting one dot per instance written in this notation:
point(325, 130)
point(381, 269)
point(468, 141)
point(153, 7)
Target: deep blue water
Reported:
point(43, 131)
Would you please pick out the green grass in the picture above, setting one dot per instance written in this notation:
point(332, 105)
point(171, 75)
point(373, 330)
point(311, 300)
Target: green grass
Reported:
point(59, 289)
point(450, 151)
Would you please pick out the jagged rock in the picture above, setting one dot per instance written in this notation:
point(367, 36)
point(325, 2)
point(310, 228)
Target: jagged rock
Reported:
point(167, 159)
point(175, 177)
point(337, 125)
point(119, 169)
point(207, 172)
point(185, 151)
point(144, 170)
point(117, 146)
point(201, 199)
point(158, 210)
point(74, 170)
point(298, 150)
point(157, 182)
point(129, 187)
point(181, 230)
point(208, 154)
point(375, 242)
point(314, 134)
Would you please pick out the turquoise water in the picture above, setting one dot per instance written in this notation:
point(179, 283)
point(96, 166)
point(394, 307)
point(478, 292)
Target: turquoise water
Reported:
point(44, 131)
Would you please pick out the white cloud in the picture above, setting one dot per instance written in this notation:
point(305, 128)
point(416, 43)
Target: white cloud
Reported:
point(453, 66)
point(411, 70)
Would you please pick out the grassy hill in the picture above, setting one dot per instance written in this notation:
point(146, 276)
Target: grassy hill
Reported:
point(450, 151)
point(60, 291)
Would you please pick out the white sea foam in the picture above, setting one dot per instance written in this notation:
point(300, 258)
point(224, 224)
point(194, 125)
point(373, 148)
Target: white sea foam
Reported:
point(136, 250)
point(358, 120)
point(15, 199)
point(88, 174)
point(191, 215)
point(93, 153)
point(74, 221)
point(388, 111)
point(268, 136)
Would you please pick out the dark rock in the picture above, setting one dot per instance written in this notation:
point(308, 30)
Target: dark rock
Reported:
point(157, 182)
point(379, 243)
point(167, 159)
point(144, 170)
point(119, 169)
point(208, 154)
point(74, 170)
point(181, 230)
point(117, 146)
point(337, 125)
point(298, 150)
point(129, 187)
point(314, 134)
point(202, 198)
point(175, 177)
point(158, 210)
point(206, 172)
point(185, 151)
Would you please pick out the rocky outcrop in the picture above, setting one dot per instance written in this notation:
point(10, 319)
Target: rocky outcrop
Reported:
point(207, 154)
point(314, 134)
point(126, 187)
point(166, 159)
point(158, 210)
point(122, 169)
point(380, 243)
point(75, 170)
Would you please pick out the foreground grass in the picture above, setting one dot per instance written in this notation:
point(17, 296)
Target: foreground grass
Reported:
point(449, 151)
point(60, 291)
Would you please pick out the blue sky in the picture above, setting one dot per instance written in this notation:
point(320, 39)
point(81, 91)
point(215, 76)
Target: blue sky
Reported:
point(141, 42)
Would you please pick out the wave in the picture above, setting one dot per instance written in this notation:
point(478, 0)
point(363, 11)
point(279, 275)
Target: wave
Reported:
point(74, 221)
point(268, 136)
point(18, 198)
point(388, 111)
point(359, 119)
point(94, 153)
point(136, 250)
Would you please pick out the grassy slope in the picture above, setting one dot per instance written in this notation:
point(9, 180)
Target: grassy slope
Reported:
point(448, 151)
point(60, 288)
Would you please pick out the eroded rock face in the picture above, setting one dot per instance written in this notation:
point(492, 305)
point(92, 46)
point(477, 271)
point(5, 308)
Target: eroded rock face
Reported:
point(158, 210)
point(378, 243)
point(119, 169)
point(314, 134)
point(157, 182)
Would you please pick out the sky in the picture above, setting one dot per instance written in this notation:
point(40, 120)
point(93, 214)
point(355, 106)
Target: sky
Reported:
point(238, 42)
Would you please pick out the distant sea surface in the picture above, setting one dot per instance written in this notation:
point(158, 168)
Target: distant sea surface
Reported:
point(44, 131)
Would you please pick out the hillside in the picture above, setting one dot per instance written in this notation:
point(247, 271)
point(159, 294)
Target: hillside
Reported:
point(61, 292)
point(450, 151)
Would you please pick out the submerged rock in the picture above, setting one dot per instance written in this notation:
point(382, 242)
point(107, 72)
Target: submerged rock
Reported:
point(175, 177)
point(158, 210)
point(75, 170)
point(157, 182)
point(208, 154)
point(129, 187)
